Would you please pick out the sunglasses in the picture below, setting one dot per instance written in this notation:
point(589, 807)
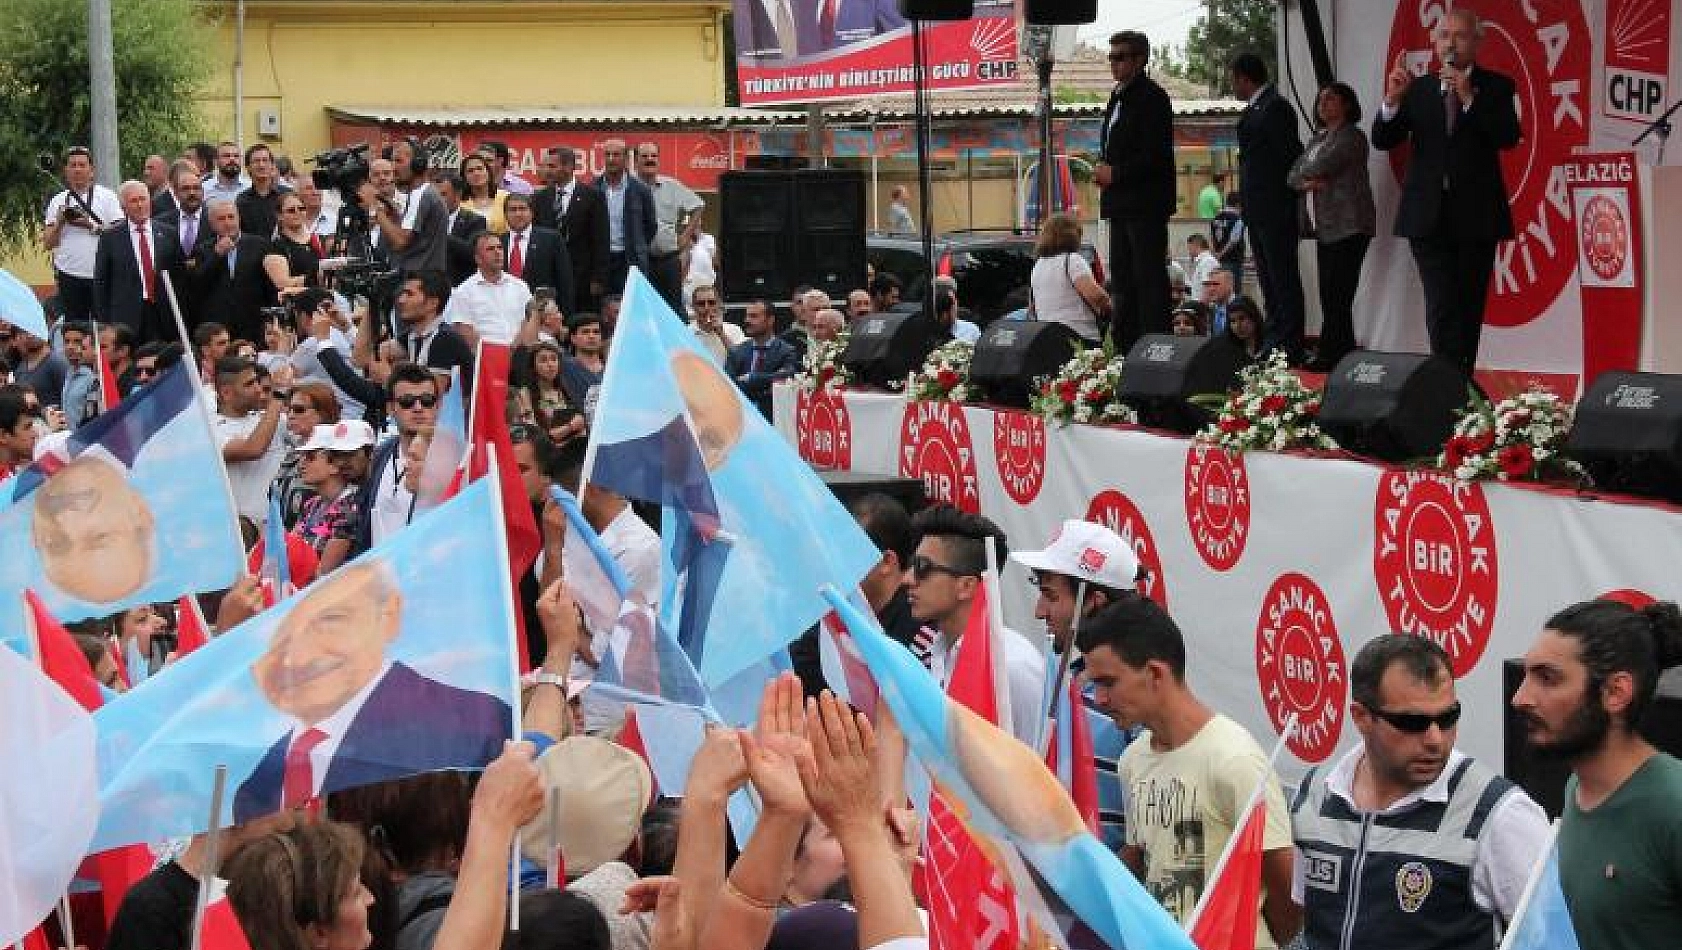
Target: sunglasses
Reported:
point(922, 566)
point(1416, 723)
point(410, 400)
point(299, 408)
point(145, 372)
point(706, 303)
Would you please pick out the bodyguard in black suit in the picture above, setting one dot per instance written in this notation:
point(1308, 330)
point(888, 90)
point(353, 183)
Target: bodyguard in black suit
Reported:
point(233, 286)
point(128, 266)
point(1268, 145)
point(1137, 178)
point(579, 212)
point(463, 222)
point(1454, 208)
point(543, 260)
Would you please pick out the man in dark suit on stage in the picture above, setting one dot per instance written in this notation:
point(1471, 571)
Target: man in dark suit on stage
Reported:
point(189, 220)
point(1137, 178)
point(1454, 208)
point(358, 717)
point(129, 264)
point(579, 212)
point(1268, 145)
point(541, 258)
point(233, 286)
point(463, 222)
point(631, 228)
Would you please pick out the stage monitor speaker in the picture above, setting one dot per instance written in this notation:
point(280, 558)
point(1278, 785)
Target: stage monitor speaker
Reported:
point(1012, 354)
point(757, 257)
point(884, 348)
point(829, 207)
point(779, 163)
point(1163, 372)
point(1059, 12)
point(937, 9)
point(849, 487)
point(1628, 433)
point(1393, 406)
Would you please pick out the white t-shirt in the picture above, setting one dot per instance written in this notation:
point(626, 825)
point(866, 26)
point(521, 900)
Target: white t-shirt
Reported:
point(1054, 295)
point(392, 502)
point(1203, 266)
point(251, 480)
point(494, 310)
point(77, 246)
point(701, 253)
point(1024, 678)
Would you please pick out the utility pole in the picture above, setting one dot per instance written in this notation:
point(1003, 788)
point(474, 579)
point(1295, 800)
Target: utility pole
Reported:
point(102, 80)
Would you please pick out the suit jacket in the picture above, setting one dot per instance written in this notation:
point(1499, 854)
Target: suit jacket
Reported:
point(640, 222)
point(777, 362)
point(863, 19)
point(460, 254)
point(1139, 148)
point(236, 299)
point(185, 273)
point(118, 287)
point(409, 724)
point(162, 202)
point(585, 230)
point(1268, 145)
point(546, 263)
point(1343, 208)
point(756, 34)
point(1459, 174)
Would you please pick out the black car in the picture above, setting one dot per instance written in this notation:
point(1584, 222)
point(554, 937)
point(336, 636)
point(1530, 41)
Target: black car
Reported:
point(992, 267)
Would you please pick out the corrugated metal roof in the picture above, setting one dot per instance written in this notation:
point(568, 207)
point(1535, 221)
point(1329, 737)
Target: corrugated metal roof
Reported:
point(504, 116)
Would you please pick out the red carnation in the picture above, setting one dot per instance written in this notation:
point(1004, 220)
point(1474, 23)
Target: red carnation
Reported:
point(1273, 405)
point(826, 373)
point(1454, 452)
point(948, 379)
point(1311, 407)
point(1098, 397)
point(1516, 460)
point(1067, 390)
point(1481, 441)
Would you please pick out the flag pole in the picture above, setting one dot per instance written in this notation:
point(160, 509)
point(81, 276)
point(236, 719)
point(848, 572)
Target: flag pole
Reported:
point(212, 853)
point(554, 850)
point(99, 378)
point(996, 630)
point(514, 656)
point(64, 922)
point(198, 397)
point(1530, 886)
point(1232, 842)
point(1048, 720)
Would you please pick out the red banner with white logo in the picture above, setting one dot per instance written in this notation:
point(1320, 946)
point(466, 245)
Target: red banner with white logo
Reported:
point(1636, 70)
point(1606, 203)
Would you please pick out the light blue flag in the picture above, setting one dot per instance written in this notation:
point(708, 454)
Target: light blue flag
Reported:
point(20, 307)
point(755, 532)
point(133, 508)
point(391, 669)
point(1544, 921)
point(1010, 796)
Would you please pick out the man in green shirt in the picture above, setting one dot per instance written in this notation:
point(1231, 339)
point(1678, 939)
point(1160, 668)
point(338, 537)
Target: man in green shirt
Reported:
point(1588, 679)
point(1210, 198)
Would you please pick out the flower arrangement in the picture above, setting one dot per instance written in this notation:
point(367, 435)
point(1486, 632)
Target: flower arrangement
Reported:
point(1084, 390)
point(822, 368)
point(1516, 439)
point(944, 376)
point(1272, 410)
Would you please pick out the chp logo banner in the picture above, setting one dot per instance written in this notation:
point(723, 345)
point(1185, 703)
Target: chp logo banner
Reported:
point(935, 446)
point(801, 51)
point(1606, 201)
point(1636, 87)
point(1300, 666)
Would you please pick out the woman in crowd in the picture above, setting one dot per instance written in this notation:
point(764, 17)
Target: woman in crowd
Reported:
point(139, 641)
point(294, 257)
point(482, 193)
point(1062, 288)
point(1244, 327)
point(310, 405)
point(1190, 318)
point(1337, 208)
point(539, 397)
point(97, 649)
point(333, 464)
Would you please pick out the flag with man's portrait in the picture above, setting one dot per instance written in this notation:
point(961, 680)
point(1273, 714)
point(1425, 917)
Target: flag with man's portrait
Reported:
point(402, 661)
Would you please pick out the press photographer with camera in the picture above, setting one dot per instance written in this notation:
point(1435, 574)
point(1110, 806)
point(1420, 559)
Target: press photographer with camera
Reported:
point(73, 220)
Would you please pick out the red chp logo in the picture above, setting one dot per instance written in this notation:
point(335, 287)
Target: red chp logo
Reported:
point(1300, 666)
point(935, 446)
point(1217, 504)
point(1117, 512)
point(1434, 561)
point(1019, 448)
point(1545, 47)
point(1605, 237)
point(823, 430)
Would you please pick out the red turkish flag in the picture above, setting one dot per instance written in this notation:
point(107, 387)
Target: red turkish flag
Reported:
point(491, 440)
point(1227, 919)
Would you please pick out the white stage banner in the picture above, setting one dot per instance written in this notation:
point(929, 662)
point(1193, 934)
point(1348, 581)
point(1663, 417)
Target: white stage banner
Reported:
point(1277, 567)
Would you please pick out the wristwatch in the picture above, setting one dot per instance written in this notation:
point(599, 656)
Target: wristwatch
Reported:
point(553, 679)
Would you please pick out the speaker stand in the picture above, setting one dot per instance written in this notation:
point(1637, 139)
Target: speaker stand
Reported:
point(920, 106)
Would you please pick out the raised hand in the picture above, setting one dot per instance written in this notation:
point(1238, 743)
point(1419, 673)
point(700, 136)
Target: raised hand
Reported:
point(839, 774)
point(718, 769)
point(773, 751)
point(1396, 82)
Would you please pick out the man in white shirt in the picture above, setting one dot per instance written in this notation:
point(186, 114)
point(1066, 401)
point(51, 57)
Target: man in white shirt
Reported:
point(249, 430)
point(230, 178)
point(677, 215)
point(718, 335)
point(1203, 260)
point(491, 302)
point(73, 237)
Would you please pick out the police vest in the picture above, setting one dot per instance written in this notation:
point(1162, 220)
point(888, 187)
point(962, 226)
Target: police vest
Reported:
point(1398, 881)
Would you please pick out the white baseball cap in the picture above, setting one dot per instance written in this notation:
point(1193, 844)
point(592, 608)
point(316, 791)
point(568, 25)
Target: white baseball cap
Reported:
point(1085, 551)
point(340, 436)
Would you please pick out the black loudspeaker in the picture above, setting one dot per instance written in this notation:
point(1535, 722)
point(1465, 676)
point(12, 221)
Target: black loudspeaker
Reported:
point(780, 163)
point(1163, 372)
point(1059, 12)
point(1628, 433)
point(786, 228)
point(937, 9)
point(1393, 406)
point(885, 347)
point(1012, 354)
point(849, 487)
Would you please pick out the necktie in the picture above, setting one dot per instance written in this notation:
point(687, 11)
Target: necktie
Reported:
point(146, 275)
point(786, 36)
point(233, 252)
point(516, 261)
point(189, 233)
point(298, 782)
point(826, 20)
point(1451, 109)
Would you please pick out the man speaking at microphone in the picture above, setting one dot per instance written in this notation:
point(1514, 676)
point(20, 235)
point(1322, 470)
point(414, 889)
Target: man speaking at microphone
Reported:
point(1454, 207)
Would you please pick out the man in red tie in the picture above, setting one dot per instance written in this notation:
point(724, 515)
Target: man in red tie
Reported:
point(536, 255)
point(128, 288)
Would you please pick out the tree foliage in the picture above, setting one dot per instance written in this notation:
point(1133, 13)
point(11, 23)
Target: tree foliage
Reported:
point(162, 54)
point(1230, 27)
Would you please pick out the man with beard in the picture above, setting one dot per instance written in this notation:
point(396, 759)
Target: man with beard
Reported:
point(1588, 680)
point(1407, 841)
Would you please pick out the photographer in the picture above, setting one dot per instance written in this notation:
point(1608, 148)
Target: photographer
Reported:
point(71, 235)
point(411, 231)
point(339, 333)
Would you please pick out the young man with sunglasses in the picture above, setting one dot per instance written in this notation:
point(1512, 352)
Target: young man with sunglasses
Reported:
point(1407, 841)
point(944, 577)
point(384, 505)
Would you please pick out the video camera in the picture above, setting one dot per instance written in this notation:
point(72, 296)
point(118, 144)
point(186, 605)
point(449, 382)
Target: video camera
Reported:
point(366, 278)
point(342, 168)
